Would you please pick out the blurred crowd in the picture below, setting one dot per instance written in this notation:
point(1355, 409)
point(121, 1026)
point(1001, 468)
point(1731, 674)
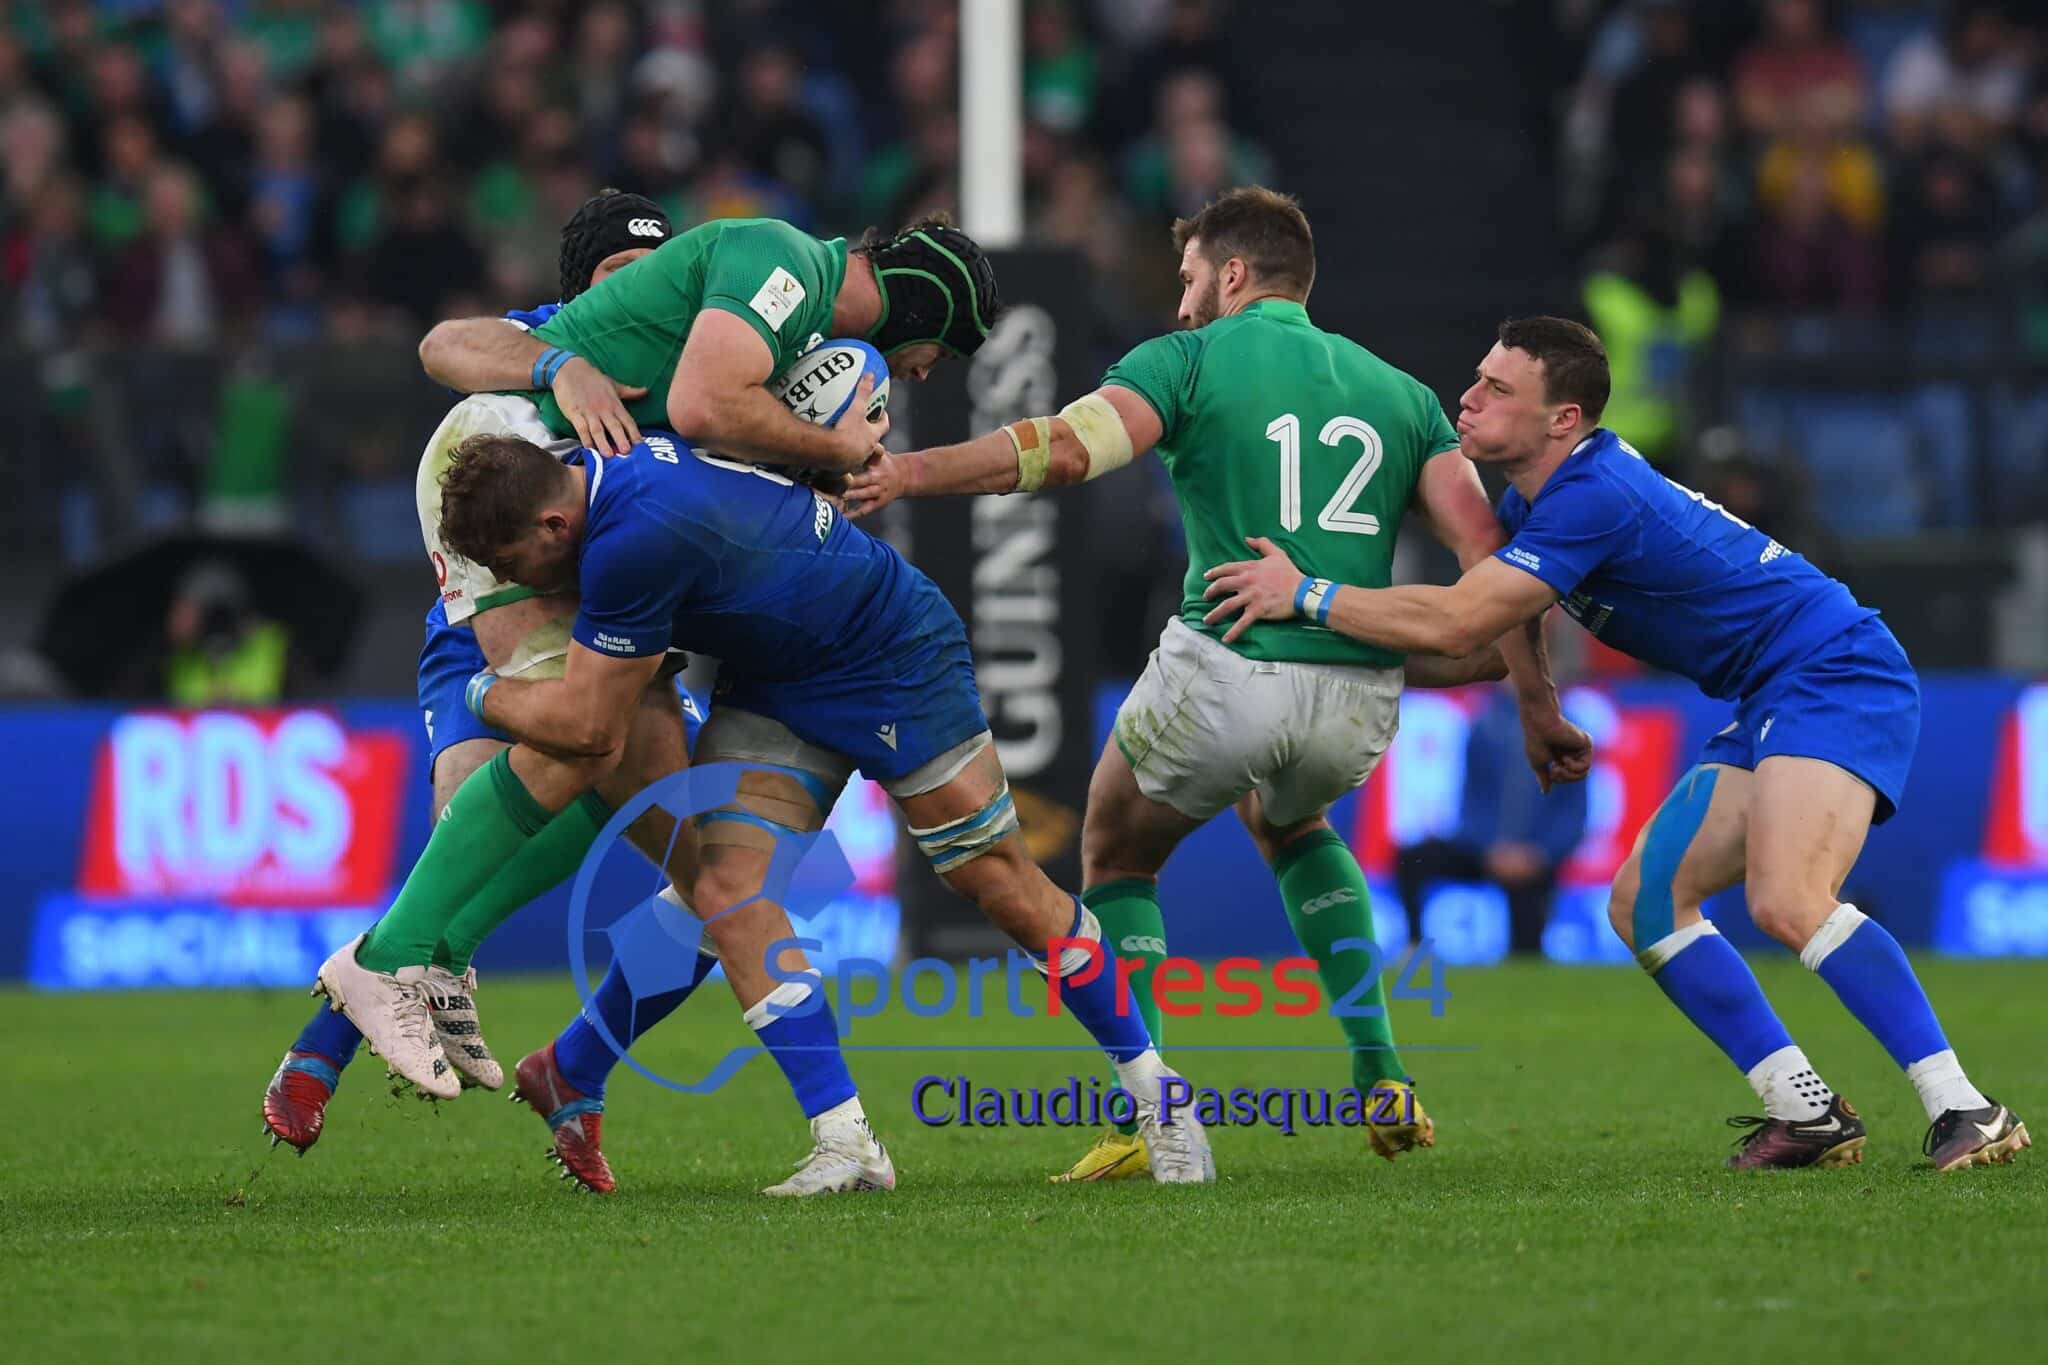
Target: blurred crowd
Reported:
point(180, 171)
point(1823, 206)
point(1800, 156)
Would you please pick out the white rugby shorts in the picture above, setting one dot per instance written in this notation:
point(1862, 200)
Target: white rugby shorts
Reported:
point(1205, 725)
point(466, 587)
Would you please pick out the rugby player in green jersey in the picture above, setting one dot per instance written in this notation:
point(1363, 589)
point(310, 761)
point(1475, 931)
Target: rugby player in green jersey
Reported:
point(1271, 427)
point(689, 341)
point(690, 335)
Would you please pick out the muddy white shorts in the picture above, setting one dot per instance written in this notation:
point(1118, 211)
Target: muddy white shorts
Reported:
point(1205, 725)
point(466, 587)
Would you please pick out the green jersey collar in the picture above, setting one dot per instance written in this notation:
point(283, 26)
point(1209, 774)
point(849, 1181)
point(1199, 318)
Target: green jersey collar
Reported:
point(1280, 310)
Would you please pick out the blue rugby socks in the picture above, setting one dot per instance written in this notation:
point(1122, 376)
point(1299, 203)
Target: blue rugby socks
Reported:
point(795, 1023)
point(1869, 972)
point(1713, 987)
point(329, 1034)
point(1103, 1009)
point(581, 1052)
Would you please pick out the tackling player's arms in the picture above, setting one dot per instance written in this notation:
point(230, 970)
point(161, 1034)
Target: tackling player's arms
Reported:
point(1451, 500)
point(1090, 437)
point(1488, 600)
point(492, 355)
point(719, 400)
point(584, 713)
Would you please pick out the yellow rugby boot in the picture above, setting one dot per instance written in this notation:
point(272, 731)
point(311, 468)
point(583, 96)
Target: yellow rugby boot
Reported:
point(1394, 1119)
point(1113, 1157)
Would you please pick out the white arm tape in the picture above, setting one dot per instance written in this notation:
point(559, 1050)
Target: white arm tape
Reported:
point(1100, 428)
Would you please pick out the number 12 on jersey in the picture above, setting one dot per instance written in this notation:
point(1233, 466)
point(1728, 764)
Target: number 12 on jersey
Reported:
point(1336, 514)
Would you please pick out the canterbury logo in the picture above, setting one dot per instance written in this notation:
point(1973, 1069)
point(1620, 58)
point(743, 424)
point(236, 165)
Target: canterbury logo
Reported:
point(646, 227)
point(1143, 943)
point(1343, 895)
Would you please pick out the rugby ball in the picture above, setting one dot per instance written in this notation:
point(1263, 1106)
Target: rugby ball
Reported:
point(821, 383)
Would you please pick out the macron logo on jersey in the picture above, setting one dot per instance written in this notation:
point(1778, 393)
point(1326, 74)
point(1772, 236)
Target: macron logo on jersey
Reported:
point(1515, 554)
point(616, 644)
point(777, 299)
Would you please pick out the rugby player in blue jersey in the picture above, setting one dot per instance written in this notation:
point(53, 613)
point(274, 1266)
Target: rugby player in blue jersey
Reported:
point(609, 231)
point(1827, 711)
point(835, 654)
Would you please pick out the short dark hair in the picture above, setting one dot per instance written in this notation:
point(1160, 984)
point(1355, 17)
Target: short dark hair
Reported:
point(873, 238)
point(492, 490)
point(1574, 361)
point(1263, 228)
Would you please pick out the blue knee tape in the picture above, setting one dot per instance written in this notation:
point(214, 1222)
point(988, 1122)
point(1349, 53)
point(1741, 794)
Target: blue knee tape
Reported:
point(814, 786)
point(747, 817)
point(1671, 832)
point(962, 841)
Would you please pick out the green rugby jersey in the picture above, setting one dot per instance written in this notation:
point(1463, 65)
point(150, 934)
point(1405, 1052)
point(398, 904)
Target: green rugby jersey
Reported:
point(632, 324)
point(1276, 428)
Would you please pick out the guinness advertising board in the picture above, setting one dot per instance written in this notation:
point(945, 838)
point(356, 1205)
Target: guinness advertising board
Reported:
point(1017, 569)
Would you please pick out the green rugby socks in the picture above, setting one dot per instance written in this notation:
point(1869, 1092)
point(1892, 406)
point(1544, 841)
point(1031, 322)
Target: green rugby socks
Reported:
point(1327, 902)
point(544, 862)
point(487, 821)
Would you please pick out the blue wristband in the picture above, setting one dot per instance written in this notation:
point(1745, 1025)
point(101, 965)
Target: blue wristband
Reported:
point(473, 694)
point(548, 364)
point(1312, 599)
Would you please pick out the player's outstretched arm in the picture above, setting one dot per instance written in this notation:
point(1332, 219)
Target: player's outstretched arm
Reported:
point(1088, 438)
point(1451, 499)
point(1460, 619)
point(719, 400)
point(1436, 670)
point(584, 713)
point(491, 355)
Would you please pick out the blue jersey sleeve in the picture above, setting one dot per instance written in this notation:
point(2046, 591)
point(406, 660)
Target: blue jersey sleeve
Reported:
point(1569, 534)
point(529, 318)
point(636, 573)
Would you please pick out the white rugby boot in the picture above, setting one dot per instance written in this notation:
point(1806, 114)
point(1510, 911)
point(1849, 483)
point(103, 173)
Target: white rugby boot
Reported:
point(451, 1000)
point(391, 1010)
point(1179, 1150)
point(846, 1159)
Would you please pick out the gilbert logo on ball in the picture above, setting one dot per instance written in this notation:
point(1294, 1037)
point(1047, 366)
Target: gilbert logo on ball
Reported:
point(820, 384)
point(657, 945)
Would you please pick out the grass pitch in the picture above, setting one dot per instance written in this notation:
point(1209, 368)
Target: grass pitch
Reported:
point(1574, 1208)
